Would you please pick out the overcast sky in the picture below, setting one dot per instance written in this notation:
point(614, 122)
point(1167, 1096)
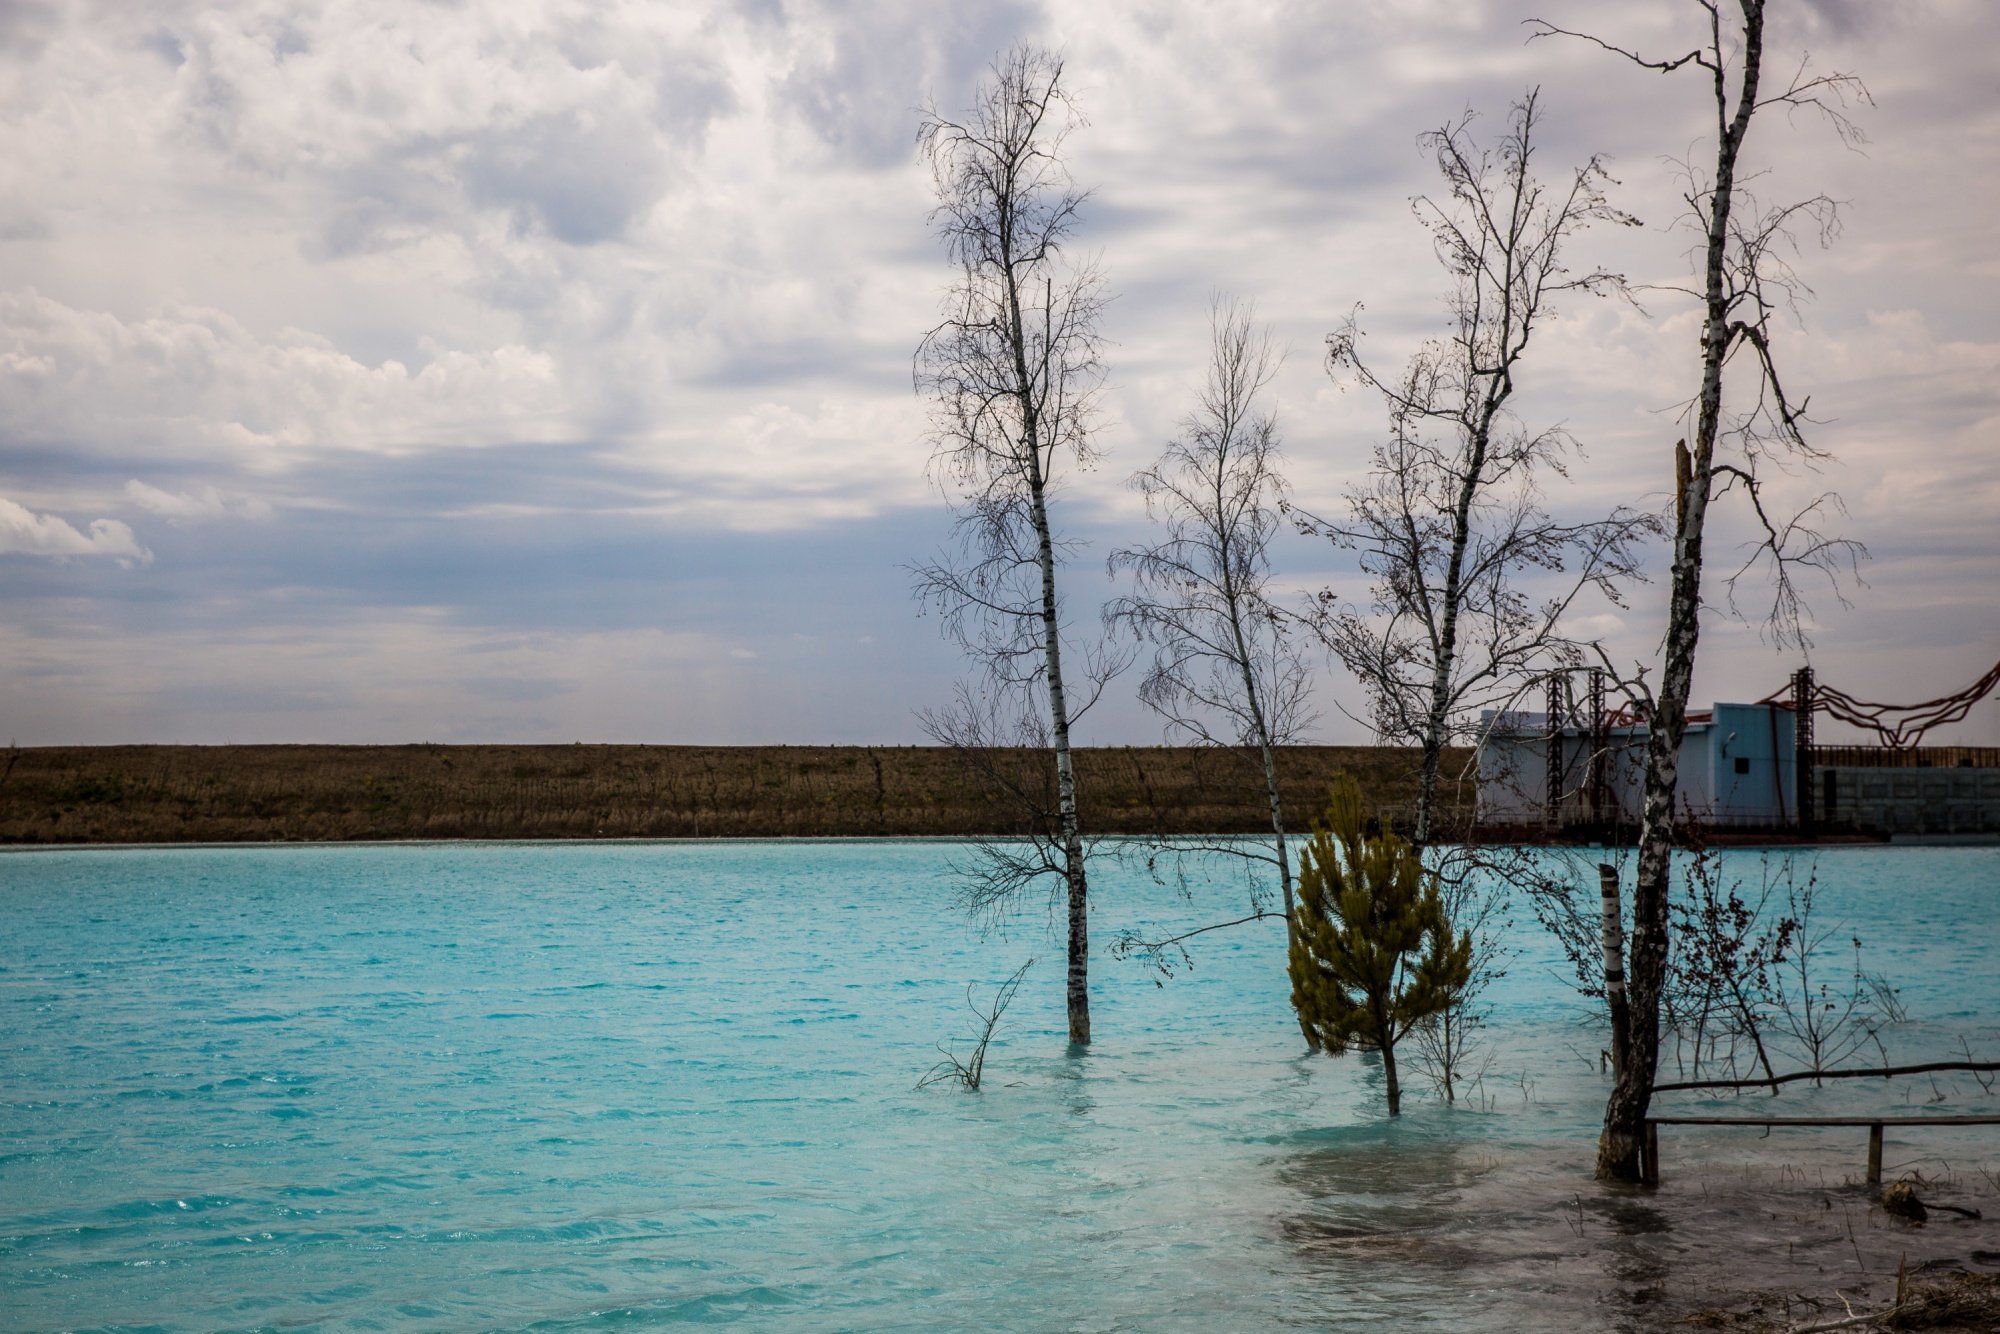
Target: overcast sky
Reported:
point(386, 371)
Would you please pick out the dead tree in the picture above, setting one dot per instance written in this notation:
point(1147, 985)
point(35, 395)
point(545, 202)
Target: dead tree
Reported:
point(1226, 671)
point(1827, 1023)
point(970, 1070)
point(1721, 972)
point(1448, 523)
point(1011, 373)
point(1743, 284)
point(1447, 1046)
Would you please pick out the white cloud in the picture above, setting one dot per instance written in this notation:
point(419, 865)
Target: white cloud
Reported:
point(197, 383)
point(250, 248)
point(24, 532)
point(1599, 625)
point(207, 502)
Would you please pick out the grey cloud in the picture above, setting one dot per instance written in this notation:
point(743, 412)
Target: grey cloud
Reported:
point(769, 13)
point(399, 196)
point(1846, 18)
point(516, 689)
point(164, 45)
point(26, 27)
point(364, 219)
point(696, 298)
point(583, 178)
point(578, 153)
point(885, 60)
point(688, 94)
point(770, 364)
point(24, 225)
point(287, 38)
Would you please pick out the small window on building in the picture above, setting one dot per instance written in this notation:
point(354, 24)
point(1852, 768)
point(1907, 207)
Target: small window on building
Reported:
point(1742, 764)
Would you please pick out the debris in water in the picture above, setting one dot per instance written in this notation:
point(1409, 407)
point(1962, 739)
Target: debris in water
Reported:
point(1900, 1201)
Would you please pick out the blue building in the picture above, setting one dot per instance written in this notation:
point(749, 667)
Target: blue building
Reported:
point(1737, 769)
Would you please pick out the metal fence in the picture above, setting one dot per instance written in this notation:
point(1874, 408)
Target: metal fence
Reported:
point(1920, 757)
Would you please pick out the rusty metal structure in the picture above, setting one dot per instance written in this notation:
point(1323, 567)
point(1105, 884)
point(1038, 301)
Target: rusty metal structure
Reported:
point(1899, 730)
point(1905, 733)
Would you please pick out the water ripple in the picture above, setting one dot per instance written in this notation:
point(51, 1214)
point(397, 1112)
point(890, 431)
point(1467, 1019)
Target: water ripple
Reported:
point(578, 1088)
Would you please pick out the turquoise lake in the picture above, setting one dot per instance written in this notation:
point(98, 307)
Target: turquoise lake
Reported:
point(623, 1086)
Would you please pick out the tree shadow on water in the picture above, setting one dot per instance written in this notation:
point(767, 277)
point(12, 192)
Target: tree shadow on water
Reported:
point(1632, 1248)
point(1514, 1234)
point(1387, 1193)
point(1509, 1231)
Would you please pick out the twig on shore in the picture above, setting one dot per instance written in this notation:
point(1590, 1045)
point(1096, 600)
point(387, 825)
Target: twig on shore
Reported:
point(1851, 1322)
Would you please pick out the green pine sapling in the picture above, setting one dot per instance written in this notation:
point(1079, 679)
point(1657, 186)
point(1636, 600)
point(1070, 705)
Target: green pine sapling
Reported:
point(1374, 952)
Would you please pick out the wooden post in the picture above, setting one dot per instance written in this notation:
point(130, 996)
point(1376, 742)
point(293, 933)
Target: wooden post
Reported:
point(1649, 1156)
point(1875, 1154)
point(1611, 930)
point(1600, 743)
point(1802, 751)
point(1557, 698)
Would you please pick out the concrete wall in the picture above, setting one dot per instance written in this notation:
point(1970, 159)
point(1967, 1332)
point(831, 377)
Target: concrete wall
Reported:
point(1909, 801)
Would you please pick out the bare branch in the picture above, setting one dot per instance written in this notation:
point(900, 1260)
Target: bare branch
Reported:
point(1131, 944)
point(1012, 373)
point(1225, 669)
point(1543, 28)
point(968, 1071)
point(1788, 547)
point(1448, 524)
point(1742, 283)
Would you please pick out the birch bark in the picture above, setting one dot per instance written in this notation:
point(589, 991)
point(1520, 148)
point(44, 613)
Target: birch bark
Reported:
point(1011, 373)
point(1623, 1139)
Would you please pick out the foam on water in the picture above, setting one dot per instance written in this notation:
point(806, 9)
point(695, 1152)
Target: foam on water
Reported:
point(565, 1087)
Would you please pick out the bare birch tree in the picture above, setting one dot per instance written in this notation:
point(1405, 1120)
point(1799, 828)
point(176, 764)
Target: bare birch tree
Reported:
point(1226, 671)
point(1448, 523)
point(1011, 373)
point(1744, 284)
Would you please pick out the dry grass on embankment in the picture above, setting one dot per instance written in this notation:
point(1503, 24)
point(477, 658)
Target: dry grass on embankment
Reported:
point(179, 794)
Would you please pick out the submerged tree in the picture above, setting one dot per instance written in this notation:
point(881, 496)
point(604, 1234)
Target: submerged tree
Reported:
point(1448, 1045)
point(1375, 953)
point(1011, 373)
point(1225, 670)
point(1744, 283)
point(969, 1071)
point(1448, 522)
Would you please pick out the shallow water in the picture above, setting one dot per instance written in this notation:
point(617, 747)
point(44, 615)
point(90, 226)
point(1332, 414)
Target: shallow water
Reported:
point(479, 1087)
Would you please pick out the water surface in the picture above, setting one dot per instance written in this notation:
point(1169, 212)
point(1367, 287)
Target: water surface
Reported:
point(572, 1087)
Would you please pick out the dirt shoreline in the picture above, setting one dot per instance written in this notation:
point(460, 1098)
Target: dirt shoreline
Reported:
point(315, 793)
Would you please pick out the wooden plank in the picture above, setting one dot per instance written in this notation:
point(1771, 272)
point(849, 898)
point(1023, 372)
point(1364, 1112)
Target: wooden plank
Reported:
point(1886, 1072)
point(1649, 1155)
point(1993, 1120)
